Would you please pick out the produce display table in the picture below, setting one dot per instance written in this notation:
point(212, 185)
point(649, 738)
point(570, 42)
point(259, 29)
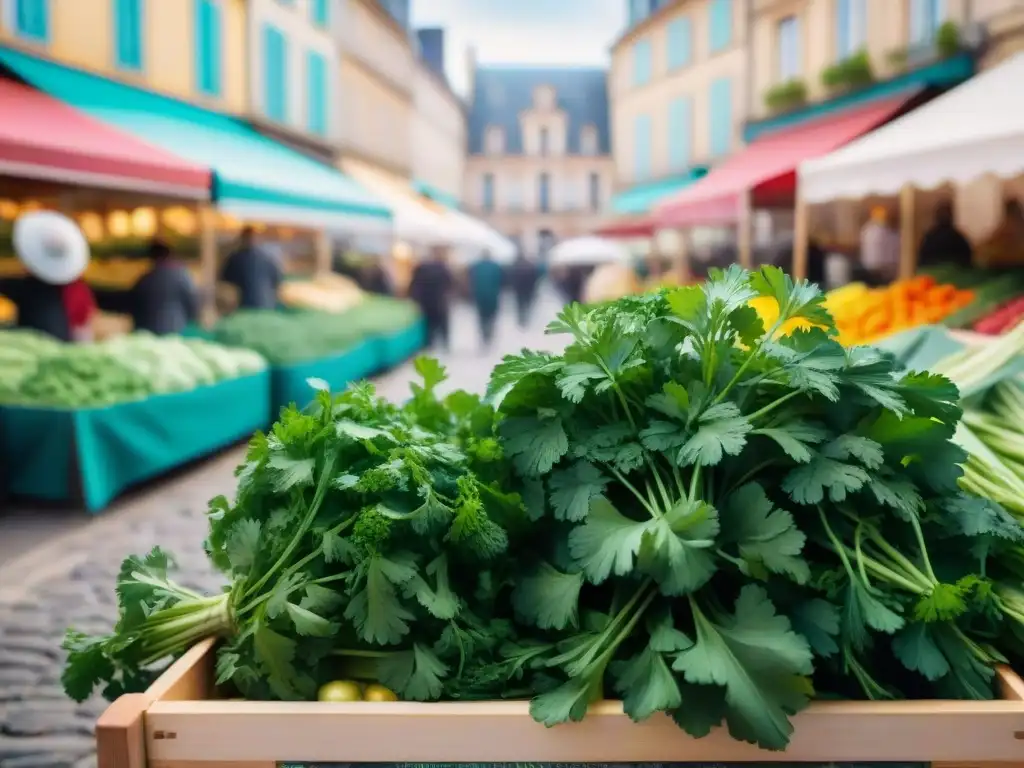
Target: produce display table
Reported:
point(289, 383)
point(179, 722)
point(399, 347)
point(96, 453)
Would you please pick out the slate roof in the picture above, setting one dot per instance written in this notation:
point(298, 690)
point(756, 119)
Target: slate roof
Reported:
point(501, 93)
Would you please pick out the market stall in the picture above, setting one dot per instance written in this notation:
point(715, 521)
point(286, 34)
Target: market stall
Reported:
point(335, 348)
point(965, 134)
point(85, 422)
point(687, 538)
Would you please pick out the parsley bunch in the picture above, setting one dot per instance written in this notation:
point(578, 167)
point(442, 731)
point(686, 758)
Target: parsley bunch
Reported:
point(731, 520)
point(367, 540)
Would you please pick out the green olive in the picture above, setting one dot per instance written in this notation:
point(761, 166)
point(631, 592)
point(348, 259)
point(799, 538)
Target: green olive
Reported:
point(340, 690)
point(377, 692)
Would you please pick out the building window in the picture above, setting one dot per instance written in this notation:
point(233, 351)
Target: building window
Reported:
point(642, 140)
point(208, 47)
point(595, 191)
point(544, 98)
point(512, 190)
point(926, 16)
point(851, 27)
point(32, 20)
point(128, 34)
point(494, 140)
point(275, 74)
point(789, 48)
point(544, 193)
point(642, 62)
point(680, 133)
point(488, 192)
point(720, 24)
point(720, 116)
point(638, 10)
point(316, 93)
point(544, 142)
point(680, 44)
point(588, 140)
point(319, 12)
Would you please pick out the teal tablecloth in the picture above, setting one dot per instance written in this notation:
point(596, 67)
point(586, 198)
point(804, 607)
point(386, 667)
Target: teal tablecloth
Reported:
point(96, 453)
point(289, 383)
point(399, 347)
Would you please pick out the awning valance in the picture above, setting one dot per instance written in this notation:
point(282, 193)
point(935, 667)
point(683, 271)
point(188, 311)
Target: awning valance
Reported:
point(251, 172)
point(42, 138)
point(973, 130)
point(767, 168)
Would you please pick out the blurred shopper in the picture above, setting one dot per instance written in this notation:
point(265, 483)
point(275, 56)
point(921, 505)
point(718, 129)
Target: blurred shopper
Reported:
point(164, 300)
point(573, 280)
point(52, 298)
point(374, 279)
point(816, 257)
point(485, 281)
point(880, 248)
point(254, 271)
point(431, 288)
point(1005, 246)
point(523, 277)
point(943, 243)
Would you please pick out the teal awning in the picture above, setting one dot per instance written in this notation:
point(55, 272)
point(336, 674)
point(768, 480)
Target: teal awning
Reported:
point(253, 175)
point(427, 190)
point(643, 197)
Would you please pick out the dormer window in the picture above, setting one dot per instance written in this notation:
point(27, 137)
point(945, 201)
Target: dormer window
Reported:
point(494, 140)
point(544, 98)
point(588, 140)
point(545, 142)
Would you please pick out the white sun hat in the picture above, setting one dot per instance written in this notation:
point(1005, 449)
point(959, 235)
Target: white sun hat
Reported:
point(51, 246)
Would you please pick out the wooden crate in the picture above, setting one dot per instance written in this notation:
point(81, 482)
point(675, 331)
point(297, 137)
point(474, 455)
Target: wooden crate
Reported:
point(178, 723)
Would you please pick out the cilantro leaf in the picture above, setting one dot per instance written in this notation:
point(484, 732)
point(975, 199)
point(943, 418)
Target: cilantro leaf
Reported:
point(828, 471)
point(863, 611)
point(721, 429)
point(759, 660)
point(796, 298)
point(290, 473)
point(573, 488)
point(275, 654)
point(767, 538)
point(440, 601)
point(676, 548)
point(308, 623)
point(548, 598)
point(607, 542)
point(795, 438)
point(569, 701)
point(415, 675)
point(647, 685)
point(896, 492)
point(818, 621)
point(244, 543)
point(376, 610)
point(917, 651)
point(536, 443)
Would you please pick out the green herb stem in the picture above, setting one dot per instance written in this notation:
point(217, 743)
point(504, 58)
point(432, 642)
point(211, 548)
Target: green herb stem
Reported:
point(773, 405)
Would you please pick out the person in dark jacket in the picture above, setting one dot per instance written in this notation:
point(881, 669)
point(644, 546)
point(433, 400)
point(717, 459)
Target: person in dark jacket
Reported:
point(815, 260)
point(255, 272)
point(164, 300)
point(431, 288)
point(943, 243)
point(523, 277)
point(485, 281)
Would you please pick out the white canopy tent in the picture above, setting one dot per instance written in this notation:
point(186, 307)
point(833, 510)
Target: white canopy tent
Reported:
point(588, 250)
point(476, 237)
point(973, 130)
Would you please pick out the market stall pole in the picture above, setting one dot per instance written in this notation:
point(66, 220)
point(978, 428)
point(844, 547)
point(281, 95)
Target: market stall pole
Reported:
point(179, 722)
point(800, 232)
point(908, 232)
point(207, 221)
point(322, 253)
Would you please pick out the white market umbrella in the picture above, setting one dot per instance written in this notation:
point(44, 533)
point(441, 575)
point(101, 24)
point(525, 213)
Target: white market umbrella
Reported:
point(588, 250)
point(51, 246)
point(972, 130)
point(478, 237)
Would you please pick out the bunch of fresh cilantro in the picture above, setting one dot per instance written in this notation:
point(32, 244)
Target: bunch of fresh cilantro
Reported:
point(366, 540)
point(731, 521)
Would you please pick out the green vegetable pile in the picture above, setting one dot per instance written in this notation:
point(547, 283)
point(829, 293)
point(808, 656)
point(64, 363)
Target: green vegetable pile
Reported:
point(37, 371)
point(290, 337)
point(684, 509)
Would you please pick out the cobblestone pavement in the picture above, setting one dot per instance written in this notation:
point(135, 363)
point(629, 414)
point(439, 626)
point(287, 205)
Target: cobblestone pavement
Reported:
point(69, 580)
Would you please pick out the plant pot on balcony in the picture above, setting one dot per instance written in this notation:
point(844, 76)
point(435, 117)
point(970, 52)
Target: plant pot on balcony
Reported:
point(850, 74)
point(787, 96)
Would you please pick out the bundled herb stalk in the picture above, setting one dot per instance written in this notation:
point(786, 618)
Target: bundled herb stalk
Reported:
point(738, 520)
point(366, 539)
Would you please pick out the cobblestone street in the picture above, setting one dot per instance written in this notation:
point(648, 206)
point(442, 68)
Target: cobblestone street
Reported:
point(68, 579)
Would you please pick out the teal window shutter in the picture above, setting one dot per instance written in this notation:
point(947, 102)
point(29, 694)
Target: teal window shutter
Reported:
point(316, 93)
point(488, 192)
point(128, 34)
point(680, 43)
point(680, 133)
point(720, 114)
point(319, 11)
point(32, 20)
point(642, 140)
point(274, 74)
point(208, 47)
point(720, 24)
point(642, 63)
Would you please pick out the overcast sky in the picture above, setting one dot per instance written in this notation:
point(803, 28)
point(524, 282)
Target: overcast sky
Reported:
point(522, 31)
